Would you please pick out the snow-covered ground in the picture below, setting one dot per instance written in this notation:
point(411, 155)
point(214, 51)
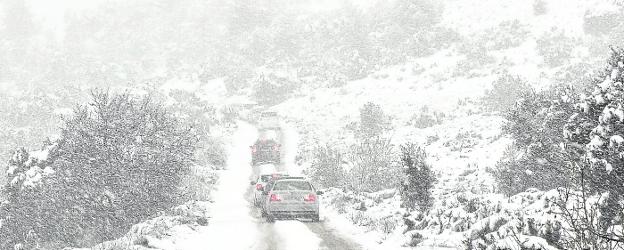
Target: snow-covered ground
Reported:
point(231, 224)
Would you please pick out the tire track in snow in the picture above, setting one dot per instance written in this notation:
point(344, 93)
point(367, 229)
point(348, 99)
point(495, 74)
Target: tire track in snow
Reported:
point(329, 238)
point(293, 234)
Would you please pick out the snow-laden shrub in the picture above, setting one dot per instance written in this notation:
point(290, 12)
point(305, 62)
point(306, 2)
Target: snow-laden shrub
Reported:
point(576, 75)
point(416, 189)
point(149, 233)
point(371, 160)
point(508, 34)
point(211, 153)
point(373, 166)
point(463, 140)
point(119, 161)
point(536, 159)
point(478, 47)
point(387, 224)
point(505, 92)
point(478, 56)
point(601, 24)
point(555, 47)
point(425, 118)
point(198, 183)
point(529, 220)
point(327, 167)
point(415, 238)
point(27, 118)
point(271, 89)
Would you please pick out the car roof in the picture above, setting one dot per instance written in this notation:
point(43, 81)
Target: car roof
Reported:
point(291, 178)
point(283, 177)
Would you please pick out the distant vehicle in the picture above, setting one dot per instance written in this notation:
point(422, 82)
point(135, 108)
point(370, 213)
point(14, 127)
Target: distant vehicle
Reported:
point(291, 198)
point(265, 151)
point(263, 196)
point(261, 182)
point(269, 120)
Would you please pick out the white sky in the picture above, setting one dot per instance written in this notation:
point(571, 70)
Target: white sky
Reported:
point(51, 13)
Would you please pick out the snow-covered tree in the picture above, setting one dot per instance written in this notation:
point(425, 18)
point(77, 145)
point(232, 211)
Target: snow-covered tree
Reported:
point(535, 158)
point(119, 161)
point(416, 189)
point(372, 156)
point(598, 125)
point(595, 134)
point(373, 165)
point(327, 167)
point(373, 121)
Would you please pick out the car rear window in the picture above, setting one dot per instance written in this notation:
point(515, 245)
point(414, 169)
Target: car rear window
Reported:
point(292, 185)
point(265, 178)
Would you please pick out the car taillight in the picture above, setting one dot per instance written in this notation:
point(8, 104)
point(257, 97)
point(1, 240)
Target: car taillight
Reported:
point(310, 198)
point(258, 186)
point(253, 149)
point(275, 197)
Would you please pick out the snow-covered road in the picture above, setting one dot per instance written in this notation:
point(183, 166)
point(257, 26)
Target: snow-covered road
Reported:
point(236, 224)
point(231, 225)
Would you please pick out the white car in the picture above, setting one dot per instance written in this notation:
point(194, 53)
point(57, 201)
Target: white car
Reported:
point(269, 120)
point(290, 198)
point(261, 183)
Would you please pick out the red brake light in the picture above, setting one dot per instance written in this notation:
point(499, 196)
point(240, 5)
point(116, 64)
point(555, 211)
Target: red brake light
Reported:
point(310, 198)
point(275, 197)
point(253, 149)
point(258, 186)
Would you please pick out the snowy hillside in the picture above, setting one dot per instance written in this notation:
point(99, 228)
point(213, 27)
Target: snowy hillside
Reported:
point(539, 15)
point(466, 142)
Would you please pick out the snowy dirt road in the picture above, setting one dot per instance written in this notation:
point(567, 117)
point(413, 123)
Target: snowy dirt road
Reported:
point(236, 224)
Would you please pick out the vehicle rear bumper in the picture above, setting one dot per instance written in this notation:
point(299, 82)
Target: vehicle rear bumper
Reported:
point(292, 210)
point(293, 214)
